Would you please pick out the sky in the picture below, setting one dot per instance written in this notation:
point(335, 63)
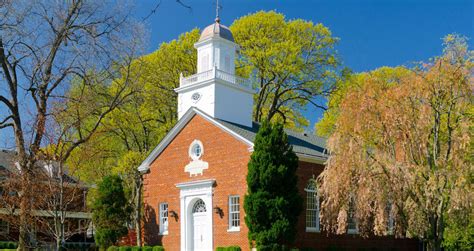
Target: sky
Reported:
point(372, 33)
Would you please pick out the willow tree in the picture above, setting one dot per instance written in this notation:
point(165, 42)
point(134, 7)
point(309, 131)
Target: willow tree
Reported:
point(402, 150)
point(293, 63)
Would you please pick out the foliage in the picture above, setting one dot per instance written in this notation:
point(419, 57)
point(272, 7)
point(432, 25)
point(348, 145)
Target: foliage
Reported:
point(113, 248)
point(110, 211)
point(8, 245)
point(403, 150)
point(158, 248)
point(292, 62)
point(389, 75)
point(230, 248)
point(272, 204)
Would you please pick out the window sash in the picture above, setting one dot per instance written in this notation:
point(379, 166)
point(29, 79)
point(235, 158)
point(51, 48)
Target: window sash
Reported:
point(4, 227)
point(163, 218)
point(312, 211)
point(234, 212)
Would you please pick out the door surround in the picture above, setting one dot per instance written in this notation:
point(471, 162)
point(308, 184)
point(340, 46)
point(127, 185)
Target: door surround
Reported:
point(190, 192)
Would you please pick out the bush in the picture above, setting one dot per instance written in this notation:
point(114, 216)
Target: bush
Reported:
point(113, 248)
point(125, 248)
point(273, 247)
point(158, 248)
point(231, 248)
point(12, 245)
point(147, 248)
point(136, 248)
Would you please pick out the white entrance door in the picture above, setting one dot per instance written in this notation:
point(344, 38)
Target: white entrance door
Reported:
point(199, 231)
point(200, 224)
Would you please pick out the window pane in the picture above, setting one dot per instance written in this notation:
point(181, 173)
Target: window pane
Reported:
point(163, 217)
point(234, 211)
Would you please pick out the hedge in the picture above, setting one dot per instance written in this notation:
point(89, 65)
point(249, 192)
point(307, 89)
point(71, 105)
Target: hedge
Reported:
point(144, 248)
point(8, 245)
point(231, 248)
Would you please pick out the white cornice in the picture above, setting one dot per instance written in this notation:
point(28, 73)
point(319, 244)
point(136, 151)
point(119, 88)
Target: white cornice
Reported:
point(196, 183)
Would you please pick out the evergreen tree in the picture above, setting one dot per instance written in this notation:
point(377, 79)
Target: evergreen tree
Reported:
point(272, 205)
point(110, 211)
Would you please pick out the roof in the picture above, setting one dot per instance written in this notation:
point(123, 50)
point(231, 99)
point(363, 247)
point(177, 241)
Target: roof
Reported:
point(303, 143)
point(306, 146)
point(216, 30)
point(8, 161)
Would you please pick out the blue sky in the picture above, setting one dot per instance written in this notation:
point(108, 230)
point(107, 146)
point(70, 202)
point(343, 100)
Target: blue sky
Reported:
point(372, 33)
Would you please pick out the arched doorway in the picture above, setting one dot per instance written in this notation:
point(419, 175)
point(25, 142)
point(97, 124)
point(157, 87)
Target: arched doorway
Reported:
point(199, 222)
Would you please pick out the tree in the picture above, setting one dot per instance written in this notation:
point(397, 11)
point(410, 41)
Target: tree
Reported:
point(273, 203)
point(131, 131)
point(292, 62)
point(43, 46)
point(110, 211)
point(402, 150)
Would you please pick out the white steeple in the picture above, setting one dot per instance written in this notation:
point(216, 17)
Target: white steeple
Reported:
point(215, 89)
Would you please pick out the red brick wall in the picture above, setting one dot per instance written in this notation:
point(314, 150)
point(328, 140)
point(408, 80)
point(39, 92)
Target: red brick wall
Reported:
point(227, 158)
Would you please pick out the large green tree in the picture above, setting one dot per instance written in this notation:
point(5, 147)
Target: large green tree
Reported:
point(130, 132)
point(400, 146)
point(293, 63)
point(273, 204)
point(110, 211)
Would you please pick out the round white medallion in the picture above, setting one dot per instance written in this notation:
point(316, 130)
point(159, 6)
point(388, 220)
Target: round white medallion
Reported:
point(196, 97)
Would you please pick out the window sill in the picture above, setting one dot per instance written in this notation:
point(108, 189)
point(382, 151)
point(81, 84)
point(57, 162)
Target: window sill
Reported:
point(164, 233)
point(234, 229)
point(312, 230)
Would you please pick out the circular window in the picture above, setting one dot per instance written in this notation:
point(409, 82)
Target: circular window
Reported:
point(196, 97)
point(196, 150)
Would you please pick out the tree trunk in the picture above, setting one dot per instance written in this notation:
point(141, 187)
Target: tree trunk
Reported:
point(138, 210)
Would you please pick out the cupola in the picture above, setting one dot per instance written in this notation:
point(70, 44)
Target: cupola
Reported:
point(215, 89)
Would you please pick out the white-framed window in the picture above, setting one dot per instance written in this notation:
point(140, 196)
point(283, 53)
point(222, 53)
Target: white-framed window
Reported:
point(227, 63)
point(4, 227)
point(196, 150)
point(234, 213)
point(163, 218)
point(205, 62)
point(312, 207)
point(351, 218)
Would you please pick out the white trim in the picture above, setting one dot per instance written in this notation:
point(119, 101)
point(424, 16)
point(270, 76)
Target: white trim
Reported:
point(196, 183)
point(163, 230)
point(312, 159)
point(231, 228)
point(145, 166)
point(190, 192)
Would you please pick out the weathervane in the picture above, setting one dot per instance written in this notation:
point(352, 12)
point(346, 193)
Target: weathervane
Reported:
point(217, 11)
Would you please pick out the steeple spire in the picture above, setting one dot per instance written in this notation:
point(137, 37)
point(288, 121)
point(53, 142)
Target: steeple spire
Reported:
point(218, 20)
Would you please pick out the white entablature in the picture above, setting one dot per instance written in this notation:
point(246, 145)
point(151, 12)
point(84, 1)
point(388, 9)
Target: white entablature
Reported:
point(215, 89)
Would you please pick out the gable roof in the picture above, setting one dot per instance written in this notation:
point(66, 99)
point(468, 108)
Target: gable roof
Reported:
point(306, 146)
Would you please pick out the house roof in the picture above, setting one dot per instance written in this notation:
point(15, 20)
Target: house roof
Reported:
point(8, 160)
point(306, 146)
point(303, 143)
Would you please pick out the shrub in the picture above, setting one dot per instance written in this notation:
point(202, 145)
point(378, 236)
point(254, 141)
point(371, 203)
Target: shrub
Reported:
point(125, 248)
point(113, 248)
point(231, 248)
point(12, 245)
point(273, 247)
point(158, 248)
point(136, 248)
point(147, 248)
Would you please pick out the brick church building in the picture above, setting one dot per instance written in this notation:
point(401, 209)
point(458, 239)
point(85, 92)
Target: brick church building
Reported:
point(195, 179)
